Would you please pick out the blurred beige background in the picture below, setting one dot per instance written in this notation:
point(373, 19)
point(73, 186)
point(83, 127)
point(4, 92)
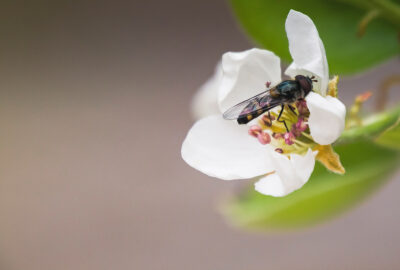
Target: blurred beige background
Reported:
point(94, 105)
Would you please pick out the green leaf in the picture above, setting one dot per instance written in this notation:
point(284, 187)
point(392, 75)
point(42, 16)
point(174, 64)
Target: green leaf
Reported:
point(323, 197)
point(391, 137)
point(337, 23)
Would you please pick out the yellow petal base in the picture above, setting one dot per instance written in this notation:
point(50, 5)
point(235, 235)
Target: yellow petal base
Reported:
point(329, 158)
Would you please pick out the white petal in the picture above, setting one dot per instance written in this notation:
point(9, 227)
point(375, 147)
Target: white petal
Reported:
point(290, 174)
point(223, 149)
point(204, 102)
point(327, 118)
point(245, 74)
point(307, 50)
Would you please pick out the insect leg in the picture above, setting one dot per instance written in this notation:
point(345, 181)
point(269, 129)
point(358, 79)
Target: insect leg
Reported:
point(283, 121)
point(292, 109)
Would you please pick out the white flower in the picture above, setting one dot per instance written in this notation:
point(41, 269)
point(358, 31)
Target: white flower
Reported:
point(224, 149)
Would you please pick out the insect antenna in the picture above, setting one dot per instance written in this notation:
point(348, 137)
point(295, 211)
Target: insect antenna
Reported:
point(313, 78)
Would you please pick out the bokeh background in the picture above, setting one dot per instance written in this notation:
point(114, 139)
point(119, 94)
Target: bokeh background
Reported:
point(94, 106)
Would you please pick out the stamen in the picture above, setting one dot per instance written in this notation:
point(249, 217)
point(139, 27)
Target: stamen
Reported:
point(270, 131)
point(264, 138)
point(308, 136)
point(277, 136)
point(289, 138)
point(300, 143)
point(255, 131)
point(302, 107)
point(296, 132)
point(299, 127)
point(268, 84)
point(267, 119)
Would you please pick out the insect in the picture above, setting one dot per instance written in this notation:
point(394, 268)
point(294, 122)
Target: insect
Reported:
point(283, 94)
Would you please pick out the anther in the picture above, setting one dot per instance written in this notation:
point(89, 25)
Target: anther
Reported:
point(268, 84)
point(296, 132)
point(264, 138)
point(279, 150)
point(277, 136)
point(363, 97)
point(267, 119)
point(289, 138)
point(302, 108)
point(255, 131)
point(301, 125)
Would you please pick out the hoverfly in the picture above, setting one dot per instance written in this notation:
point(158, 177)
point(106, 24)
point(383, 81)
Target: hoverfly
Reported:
point(283, 94)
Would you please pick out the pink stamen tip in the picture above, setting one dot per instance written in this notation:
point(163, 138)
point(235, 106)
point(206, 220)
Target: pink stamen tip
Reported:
point(255, 131)
point(267, 120)
point(268, 84)
point(277, 136)
point(296, 132)
point(289, 138)
point(264, 138)
point(302, 107)
point(279, 150)
point(364, 96)
point(301, 125)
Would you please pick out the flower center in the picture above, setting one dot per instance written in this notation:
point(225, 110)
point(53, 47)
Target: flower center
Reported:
point(289, 132)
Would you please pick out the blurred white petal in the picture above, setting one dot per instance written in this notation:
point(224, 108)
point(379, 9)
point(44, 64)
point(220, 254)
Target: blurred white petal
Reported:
point(245, 74)
point(223, 149)
point(204, 102)
point(307, 50)
point(290, 174)
point(327, 118)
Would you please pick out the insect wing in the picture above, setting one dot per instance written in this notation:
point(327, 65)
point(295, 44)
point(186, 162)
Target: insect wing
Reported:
point(263, 101)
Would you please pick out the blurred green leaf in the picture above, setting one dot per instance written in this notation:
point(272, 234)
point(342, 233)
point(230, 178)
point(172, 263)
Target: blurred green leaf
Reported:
point(337, 23)
point(324, 196)
point(391, 137)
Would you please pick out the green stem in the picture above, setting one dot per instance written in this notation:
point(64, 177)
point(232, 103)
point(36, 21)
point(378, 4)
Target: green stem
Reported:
point(371, 127)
